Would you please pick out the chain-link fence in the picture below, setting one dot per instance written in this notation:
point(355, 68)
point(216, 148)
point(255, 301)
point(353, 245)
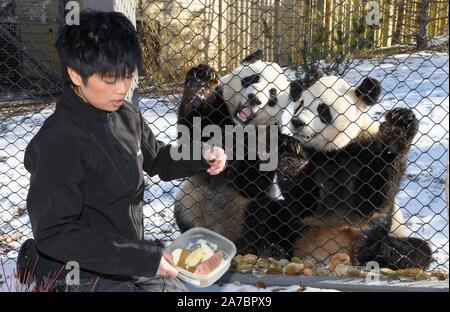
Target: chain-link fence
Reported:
point(402, 44)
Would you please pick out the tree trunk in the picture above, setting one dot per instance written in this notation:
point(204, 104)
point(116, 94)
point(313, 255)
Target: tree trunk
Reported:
point(396, 38)
point(424, 20)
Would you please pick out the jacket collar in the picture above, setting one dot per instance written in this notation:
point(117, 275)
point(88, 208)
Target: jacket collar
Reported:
point(70, 101)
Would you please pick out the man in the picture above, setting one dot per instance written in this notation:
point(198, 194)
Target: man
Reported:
point(86, 164)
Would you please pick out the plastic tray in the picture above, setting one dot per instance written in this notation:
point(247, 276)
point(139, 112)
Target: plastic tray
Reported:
point(190, 237)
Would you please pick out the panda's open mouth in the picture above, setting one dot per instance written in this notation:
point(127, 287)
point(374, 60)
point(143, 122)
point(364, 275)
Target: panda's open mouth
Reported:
point(245, 113)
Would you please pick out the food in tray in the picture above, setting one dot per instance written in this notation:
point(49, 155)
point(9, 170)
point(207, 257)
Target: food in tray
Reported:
point(200, 258)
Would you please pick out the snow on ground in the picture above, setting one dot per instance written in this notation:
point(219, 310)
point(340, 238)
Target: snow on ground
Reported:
point(419, 81)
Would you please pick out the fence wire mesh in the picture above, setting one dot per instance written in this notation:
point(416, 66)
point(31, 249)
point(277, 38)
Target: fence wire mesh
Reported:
point(402, 44)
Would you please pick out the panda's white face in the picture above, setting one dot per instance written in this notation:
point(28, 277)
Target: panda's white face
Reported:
point(256, 93)
point(329, 115)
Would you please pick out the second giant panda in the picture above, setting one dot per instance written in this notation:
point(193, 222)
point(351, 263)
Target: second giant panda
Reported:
point(342, 199)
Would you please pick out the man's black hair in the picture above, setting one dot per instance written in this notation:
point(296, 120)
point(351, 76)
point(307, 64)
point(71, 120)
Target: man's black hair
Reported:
point(104, 43)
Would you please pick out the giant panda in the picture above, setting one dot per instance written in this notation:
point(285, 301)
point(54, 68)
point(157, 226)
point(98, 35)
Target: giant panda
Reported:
point(253, 94)
point(341, 198)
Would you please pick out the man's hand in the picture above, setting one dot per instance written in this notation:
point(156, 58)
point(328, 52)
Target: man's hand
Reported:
point(165, 268)
point(216, 158)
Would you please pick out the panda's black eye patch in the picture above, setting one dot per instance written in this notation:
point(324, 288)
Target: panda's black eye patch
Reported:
point(273, 97)
point(324, 113)
point(248, 81)
point(300, 105)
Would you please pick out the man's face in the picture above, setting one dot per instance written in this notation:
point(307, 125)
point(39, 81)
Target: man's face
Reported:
point(105, 93)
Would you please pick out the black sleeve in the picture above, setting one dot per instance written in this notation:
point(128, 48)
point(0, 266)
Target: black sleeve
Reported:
point(158, 161)
point(55, 203)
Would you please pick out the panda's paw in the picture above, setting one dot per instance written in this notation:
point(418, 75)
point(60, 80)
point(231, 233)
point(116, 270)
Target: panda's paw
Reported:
point(405, 120)
point(366, 247)
point(200, 73)
point(291, 158)
point(291, 166)
point(288, 145)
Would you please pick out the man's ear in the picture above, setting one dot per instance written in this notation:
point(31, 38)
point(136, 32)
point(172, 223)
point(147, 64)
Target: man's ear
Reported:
point(74, 77)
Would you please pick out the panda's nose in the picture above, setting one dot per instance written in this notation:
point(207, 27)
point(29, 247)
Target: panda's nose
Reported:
point(297, 123)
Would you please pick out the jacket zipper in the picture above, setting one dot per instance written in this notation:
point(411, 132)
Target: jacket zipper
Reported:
point(129, 168)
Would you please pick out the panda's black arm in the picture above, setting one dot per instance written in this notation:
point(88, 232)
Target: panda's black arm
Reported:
point(398, 130)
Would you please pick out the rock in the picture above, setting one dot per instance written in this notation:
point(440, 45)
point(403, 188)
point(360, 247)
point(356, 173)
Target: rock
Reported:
point(301, 287)
point(276, 264)
point(244, 264)
point(18, 212)
point(296, 260)
point(434, 279)
point(324, 271)
point(235, 261)
point(308, 272)
point(237, 283)
point(440, 274)
point(340, 258)
point(354, 272)
point(310, 259)
point(260, 284)
point(388, 272)
point(274, 269)
point(273, 261)
point(423, 276)
point(245, 268)
point(248, 259)
point(308, 265)
point(283, 262)
point(410, 272)
point(345, 270)
point(262, 265)
point(262, 262)
point(293, 269)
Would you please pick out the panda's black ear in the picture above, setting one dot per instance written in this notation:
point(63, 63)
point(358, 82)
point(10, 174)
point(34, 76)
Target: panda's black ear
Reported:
point(252, 58)
point(296, 89)
point(369, 90)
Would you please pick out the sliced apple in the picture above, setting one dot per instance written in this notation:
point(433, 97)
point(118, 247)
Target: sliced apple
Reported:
point(194, 258)
point(207, 251)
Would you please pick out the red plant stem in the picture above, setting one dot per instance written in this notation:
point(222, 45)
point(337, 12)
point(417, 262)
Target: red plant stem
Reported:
point(10, 282)
point(54, 279)
point(95, 284)
point(24, 279)
point(4, 274)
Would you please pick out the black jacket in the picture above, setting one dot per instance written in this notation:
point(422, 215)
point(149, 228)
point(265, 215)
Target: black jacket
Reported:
point(85, 200)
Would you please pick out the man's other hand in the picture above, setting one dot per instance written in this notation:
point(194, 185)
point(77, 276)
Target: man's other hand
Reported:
point(216, 158)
